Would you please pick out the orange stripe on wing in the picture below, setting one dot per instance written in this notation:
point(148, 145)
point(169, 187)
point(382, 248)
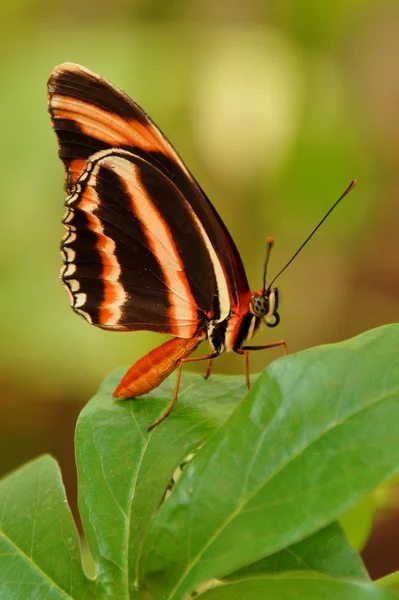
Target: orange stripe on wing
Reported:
point(183, 308)
point(75, 169)
point(110, 128)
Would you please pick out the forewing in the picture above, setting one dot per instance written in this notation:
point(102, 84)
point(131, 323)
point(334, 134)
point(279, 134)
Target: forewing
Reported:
point(90, 115)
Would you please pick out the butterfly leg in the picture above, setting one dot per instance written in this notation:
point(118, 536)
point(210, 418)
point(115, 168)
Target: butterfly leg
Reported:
point(273, 345)
point(168, 410)
point(245, 352)
point(208, 368)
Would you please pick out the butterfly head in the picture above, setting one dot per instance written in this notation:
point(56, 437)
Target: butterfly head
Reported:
point(264, 305)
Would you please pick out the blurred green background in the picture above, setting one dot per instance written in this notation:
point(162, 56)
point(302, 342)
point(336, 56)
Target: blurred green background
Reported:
point(274, 106)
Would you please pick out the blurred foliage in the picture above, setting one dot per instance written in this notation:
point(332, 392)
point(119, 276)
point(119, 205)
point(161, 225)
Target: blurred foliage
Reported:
point(274, 106)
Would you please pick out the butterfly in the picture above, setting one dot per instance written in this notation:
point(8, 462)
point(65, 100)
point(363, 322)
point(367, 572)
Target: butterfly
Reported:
point(144, 247)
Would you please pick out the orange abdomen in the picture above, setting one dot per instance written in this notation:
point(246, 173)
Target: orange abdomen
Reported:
point(148, 372)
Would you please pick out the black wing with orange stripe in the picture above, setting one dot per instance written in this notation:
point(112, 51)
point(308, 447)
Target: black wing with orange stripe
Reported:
point(144, 247)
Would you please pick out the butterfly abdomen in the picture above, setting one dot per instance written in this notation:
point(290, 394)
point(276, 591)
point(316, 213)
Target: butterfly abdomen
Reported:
point(148, 372)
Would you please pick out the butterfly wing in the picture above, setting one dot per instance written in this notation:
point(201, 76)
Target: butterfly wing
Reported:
point(145, 249)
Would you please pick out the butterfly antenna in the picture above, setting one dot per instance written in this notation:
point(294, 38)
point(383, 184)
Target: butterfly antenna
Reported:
point(270, 243)
point(346, 192)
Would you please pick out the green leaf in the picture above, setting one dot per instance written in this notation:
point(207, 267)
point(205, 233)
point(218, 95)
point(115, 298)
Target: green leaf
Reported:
point(124, 471)
point(390, 582)
point(327, 551)
point(315, 434)
point(300, 587)
point(358, 521)
point(39, 545)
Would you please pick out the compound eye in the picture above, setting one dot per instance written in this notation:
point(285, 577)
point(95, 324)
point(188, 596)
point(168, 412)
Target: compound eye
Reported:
point(260, 306)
